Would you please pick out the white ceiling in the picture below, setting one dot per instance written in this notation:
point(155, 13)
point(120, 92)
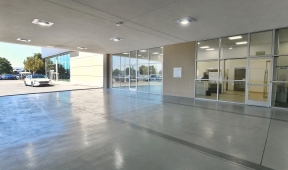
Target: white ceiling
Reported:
point(147, 23)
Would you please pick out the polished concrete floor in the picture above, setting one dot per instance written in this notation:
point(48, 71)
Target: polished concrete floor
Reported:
point(116, 129)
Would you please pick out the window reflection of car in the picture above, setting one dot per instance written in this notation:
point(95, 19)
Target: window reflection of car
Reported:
point(36, 80)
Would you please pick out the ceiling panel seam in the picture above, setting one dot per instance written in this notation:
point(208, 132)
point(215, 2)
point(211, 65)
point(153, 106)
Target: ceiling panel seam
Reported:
point(133, 22)
point(106, 21)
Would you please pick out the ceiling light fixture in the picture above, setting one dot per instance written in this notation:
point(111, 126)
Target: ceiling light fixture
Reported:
point(143, 51)
point(42, 22)
point(240, 43)
point(50, 46)
point(23, 39)
point(185, 21)
point(230, 48)
point(125, 53)
point(155, 53)
point(235, 37)
point(82, 48)
point(210, 49)
point(116, 39)
point(198, 43)
point(119, 24)
point(139, 55)
point(203, 47)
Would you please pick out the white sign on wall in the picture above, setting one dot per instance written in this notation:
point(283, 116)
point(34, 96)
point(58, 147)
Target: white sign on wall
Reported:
point(177, 72)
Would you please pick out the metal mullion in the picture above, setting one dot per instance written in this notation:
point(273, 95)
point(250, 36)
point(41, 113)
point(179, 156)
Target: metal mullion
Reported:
point(148, 50)
point(162, 67)
point(137, 70)
point(195, 68)
point(218, 77)
point(129, 71)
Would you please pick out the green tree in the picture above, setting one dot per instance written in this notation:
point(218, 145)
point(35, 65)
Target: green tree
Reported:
point(42, 69)
point(152, 70)
point(34, 63)
point(116, 72)
point(5, 66)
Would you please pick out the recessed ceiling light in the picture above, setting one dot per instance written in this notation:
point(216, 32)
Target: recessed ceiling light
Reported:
point(155, 53)
point(203, 47)
point(239, 43)
point(82, 48)
point(230, 48)
point(42, 22)
point(125, 53)
point(161, 47)
point(119, 24)
point(116, 39)
point(50, 46)
point(235, 37)
point(143, 51)
point(139, 55)
point(185, 21)
point(23, 39)
point(210, 49)
point(198, 43)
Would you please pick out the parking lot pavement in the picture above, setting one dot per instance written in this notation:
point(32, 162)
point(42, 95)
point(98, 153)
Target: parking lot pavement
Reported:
point(15, 87)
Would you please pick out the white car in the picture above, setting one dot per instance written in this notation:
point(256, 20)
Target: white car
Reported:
point(36, 80)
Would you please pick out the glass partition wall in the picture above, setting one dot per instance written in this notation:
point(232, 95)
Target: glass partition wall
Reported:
point(58, 67)
point(139, 70)
point(249, 68)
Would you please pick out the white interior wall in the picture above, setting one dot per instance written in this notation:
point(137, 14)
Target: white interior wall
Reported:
point(283, 48)
point(87, 69)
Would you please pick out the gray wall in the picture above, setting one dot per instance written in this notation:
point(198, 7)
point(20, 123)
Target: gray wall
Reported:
point(179, 55)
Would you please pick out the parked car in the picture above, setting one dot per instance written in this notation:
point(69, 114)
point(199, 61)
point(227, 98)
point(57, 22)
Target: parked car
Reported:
point(1, 78)
point(36, 80)
point(9, 77)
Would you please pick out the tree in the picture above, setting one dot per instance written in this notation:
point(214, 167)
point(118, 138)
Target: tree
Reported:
point(34, 63)
point(5, 66)
point(42, 69)
point(116, 72)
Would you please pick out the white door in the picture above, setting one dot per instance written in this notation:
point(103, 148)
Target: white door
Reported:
point(258, 82)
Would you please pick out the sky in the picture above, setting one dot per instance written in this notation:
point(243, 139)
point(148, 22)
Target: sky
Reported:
point(16, 53)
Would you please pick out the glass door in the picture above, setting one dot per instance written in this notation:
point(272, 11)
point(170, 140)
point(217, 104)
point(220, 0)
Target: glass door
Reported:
point(258, 84)
point(133, 78)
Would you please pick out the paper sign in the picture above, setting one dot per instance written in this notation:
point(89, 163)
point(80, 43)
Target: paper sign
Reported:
point(177, 73)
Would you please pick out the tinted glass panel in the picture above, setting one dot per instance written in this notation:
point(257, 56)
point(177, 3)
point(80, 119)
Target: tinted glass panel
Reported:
point(261, 43)
point(208, 49)
point(229, 48)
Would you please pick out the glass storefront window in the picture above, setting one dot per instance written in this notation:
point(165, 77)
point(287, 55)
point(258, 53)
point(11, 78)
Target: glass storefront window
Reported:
point(143, 56)
point(156, 55)
point(143, 78)
point(280, 68)
point(280, 94)
point(116, 59)
point(115, 76)
point(260, 43)
point(155, 78)
point(208, 49)
point(282, 42)
point(124, 77)
point(206, 89)
point(133, 58)
point(207, 70)
point(233, 69)
point(229, 48)
point(125, 58)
